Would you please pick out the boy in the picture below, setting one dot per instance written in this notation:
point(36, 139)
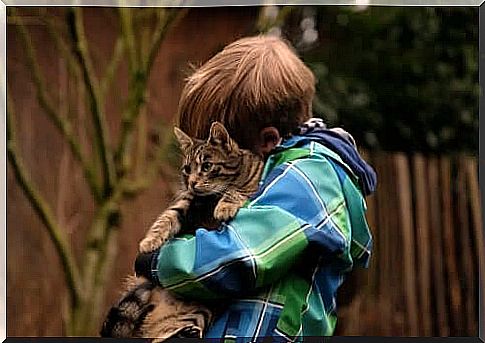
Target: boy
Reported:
point(278, 264)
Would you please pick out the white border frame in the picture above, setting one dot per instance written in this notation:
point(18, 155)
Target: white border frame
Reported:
point(140, 3)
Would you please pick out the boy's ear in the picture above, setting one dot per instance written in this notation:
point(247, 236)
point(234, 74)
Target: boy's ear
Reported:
point(219, 135)
point(184, 140)
point(269, 138)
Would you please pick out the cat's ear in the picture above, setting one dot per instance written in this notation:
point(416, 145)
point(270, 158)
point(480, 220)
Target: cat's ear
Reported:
point(219, 135)
point(184, 140)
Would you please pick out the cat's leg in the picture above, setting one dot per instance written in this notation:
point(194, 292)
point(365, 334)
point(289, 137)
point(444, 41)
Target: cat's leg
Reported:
point(168, 224)
point(126, 317)
point(228, 206)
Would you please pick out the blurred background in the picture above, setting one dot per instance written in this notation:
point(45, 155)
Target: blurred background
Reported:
point(92, 94)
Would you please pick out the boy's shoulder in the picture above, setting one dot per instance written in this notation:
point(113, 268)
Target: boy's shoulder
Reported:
point(329, 146)
point(300, 148)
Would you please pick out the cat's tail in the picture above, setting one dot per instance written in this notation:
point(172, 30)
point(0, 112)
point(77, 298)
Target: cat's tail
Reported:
point(125, 319)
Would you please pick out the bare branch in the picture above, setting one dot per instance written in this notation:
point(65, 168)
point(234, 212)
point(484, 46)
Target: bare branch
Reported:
point(135, 188)
point(128, 35)
point(136, 99)
point(112, 66)
point(163, 25)
point(43, 210)
point(92, 85)
point(103, 223)
point(62, 123)
point(106, 262)
point(55, 32)
point(138, 84)
point(140, 153)
point(157, 165)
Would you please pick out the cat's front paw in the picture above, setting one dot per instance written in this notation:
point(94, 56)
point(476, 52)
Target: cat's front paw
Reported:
point(149, 244)
point(153, 241)
point(162, 230)
point(225, 211)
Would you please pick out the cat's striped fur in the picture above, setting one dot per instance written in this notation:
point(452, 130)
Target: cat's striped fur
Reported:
point(218, 177)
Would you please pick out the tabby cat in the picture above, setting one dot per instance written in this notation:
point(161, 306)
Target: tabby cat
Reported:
point(218, 178)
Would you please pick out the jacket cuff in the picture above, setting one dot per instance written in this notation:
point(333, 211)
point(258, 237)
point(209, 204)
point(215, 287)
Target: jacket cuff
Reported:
point(146, 266)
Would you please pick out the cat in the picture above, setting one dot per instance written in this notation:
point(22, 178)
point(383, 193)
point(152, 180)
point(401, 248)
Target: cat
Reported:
point(148, 311)
point(218, 178)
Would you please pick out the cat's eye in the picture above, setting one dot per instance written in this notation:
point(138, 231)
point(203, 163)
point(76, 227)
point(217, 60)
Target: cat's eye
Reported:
point(186, 169)
point(206, 166)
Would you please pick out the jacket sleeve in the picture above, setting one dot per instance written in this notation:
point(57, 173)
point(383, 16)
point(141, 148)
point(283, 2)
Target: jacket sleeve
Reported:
point(300, 204)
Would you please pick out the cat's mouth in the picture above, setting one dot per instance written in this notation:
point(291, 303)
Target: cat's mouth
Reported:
point(199, 191)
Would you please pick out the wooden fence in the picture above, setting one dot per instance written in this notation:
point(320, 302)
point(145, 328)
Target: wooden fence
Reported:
point(428, 253)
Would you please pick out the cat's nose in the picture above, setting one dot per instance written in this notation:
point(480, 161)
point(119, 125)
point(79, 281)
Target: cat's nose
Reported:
point(192, 184)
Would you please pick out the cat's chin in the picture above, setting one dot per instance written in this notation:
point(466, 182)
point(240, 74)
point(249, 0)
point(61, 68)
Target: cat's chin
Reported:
point(205, 193)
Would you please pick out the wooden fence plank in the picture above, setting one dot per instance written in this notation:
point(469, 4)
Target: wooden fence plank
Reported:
point(384, 240)
point(396, 273)
point(468, 281)
point(371, 215)
point(408, 244)
point(477, 232)
point(436, 248)
point(456, 322)
point(379, 263)
point(423, 244)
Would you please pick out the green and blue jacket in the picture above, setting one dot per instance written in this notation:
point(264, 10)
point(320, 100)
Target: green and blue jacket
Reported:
point(278, 264)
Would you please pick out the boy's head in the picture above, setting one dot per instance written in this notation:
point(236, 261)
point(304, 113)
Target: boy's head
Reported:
point(257, 87)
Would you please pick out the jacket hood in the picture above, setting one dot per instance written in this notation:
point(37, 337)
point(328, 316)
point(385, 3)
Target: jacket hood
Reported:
point(341, 143)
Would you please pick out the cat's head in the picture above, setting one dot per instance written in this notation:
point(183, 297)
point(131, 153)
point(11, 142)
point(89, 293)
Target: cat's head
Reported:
point(210, 167)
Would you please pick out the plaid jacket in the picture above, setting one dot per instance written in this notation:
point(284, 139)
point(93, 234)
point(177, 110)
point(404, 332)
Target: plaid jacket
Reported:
point(279, 262)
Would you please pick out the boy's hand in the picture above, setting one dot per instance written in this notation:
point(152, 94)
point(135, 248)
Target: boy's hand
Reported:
point(143, 264)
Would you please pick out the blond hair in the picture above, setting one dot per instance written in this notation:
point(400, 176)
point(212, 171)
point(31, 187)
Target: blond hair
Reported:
point(252, 83)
